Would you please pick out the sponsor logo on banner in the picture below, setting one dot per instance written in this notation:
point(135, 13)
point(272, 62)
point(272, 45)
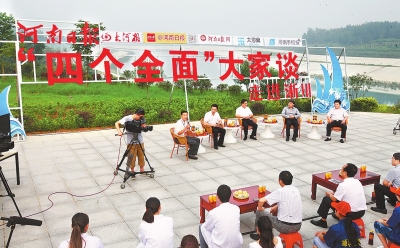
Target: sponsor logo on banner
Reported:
point(191, 38)
point(214, 39)
point(283, 41)
point(165, 38)
point(123, 37)
point(248, 41)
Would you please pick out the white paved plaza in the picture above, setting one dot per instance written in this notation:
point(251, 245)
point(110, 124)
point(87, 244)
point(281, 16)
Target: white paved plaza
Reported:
point(83, 163)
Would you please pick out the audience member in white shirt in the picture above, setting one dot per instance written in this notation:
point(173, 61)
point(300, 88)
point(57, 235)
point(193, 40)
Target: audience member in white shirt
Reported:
point(213, 120)
point(267, 239)
point(350, 191)
point(288, 205)
point(156, 230)
point(79, 237)
point(222, 226)
point(337, 118)
point(244, 113)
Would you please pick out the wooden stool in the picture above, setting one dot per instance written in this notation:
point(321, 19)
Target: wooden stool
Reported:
point(361, 226)
point(291, 239)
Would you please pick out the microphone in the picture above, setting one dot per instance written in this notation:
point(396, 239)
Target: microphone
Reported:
point(22, 221)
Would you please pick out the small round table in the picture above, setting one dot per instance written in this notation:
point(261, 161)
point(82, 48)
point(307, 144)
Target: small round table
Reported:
point(267, 134)
point(201, 148)
point(314, 131)
point(229, 138)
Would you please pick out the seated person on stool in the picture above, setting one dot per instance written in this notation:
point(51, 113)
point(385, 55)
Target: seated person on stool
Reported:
point(222, 226)
point(244, 113)
point(337, 118)
point(343, 234)
point(388, 230)
point(381, 190)
point(213, 119)
point(181, 128)
point(350, 191)
point(289, 218)
point(291, 114)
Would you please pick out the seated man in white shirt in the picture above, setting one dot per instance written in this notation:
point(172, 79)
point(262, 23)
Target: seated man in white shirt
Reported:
point(222, 226)
point(337, 118)
point(289, 207)
point(213, 119)
point(350, 191)
point(244, 113)
point(181, 128)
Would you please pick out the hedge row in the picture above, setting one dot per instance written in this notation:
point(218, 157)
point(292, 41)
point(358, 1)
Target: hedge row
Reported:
point(66, 116)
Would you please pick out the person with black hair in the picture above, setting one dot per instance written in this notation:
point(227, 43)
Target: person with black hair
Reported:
point(291, 114)
point(288, 205)
point(79, 237)
point(392, 180)
point(341, 235)
point(350, 191)
point(135, 151)
point(267, 239)
point(222, 226)
point(244, 113)
point(189, 241)
point(337, 117)
point(182, 126)
point(156, 230)
point(213, 120)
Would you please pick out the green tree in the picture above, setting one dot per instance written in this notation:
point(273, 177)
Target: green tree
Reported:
point(358, 85)
point(81, 48)
point(202, 83)
point(146, 85)
point(7, 50)
point(244, 69)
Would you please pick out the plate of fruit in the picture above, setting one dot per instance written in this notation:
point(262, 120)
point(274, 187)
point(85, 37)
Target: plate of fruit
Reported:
point(315, 121)
point(231, 124)
point(270, 120)
point(241, 194)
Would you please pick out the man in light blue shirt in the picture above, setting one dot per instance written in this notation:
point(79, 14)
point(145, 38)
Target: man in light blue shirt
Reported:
point(291, 115)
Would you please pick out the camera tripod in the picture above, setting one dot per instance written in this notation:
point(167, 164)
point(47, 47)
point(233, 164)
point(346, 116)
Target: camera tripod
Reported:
point(129, 173)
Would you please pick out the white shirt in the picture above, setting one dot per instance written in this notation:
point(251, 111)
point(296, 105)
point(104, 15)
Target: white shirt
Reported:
point(159, 234)
point(337, 114)
point(91, 242)
point(212, 119)
point(179, 126)
point(352, 192)
point(222, 227)
point(243, 111)
point(129, 134)
point(289, 203)
point(257, 245)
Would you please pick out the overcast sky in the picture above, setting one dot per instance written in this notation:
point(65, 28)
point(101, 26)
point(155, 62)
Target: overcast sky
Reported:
point(265, 18)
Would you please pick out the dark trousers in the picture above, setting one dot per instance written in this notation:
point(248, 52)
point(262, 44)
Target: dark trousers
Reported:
point(289, 122)
point(380, 192)
point(326, 205)
point(194, 144)
point(336, 124)
point(221, 132)
point(246, 123)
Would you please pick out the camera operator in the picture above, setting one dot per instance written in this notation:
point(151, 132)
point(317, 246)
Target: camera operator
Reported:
point(181, 128)
point(133, 145)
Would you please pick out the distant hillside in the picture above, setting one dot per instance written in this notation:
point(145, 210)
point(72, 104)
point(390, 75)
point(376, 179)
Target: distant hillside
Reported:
point(372, 39)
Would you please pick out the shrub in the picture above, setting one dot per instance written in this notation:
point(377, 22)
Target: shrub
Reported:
point(166, 85)
point(364, 104)
point(85, 118)
point(257, 108)
point(234, 90)
point(222, 87)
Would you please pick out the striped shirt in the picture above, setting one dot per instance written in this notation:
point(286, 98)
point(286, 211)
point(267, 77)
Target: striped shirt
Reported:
point(393, 176)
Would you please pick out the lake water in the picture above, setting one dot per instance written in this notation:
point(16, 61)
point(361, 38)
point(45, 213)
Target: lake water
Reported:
point(384, 98)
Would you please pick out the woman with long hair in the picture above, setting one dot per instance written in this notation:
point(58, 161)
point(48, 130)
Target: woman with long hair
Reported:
point(156, 230)
point(343, 234)
point(79, 238)
point(267, 239)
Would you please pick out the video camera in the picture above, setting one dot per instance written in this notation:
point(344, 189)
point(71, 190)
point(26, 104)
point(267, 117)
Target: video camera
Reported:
point(135, 126)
